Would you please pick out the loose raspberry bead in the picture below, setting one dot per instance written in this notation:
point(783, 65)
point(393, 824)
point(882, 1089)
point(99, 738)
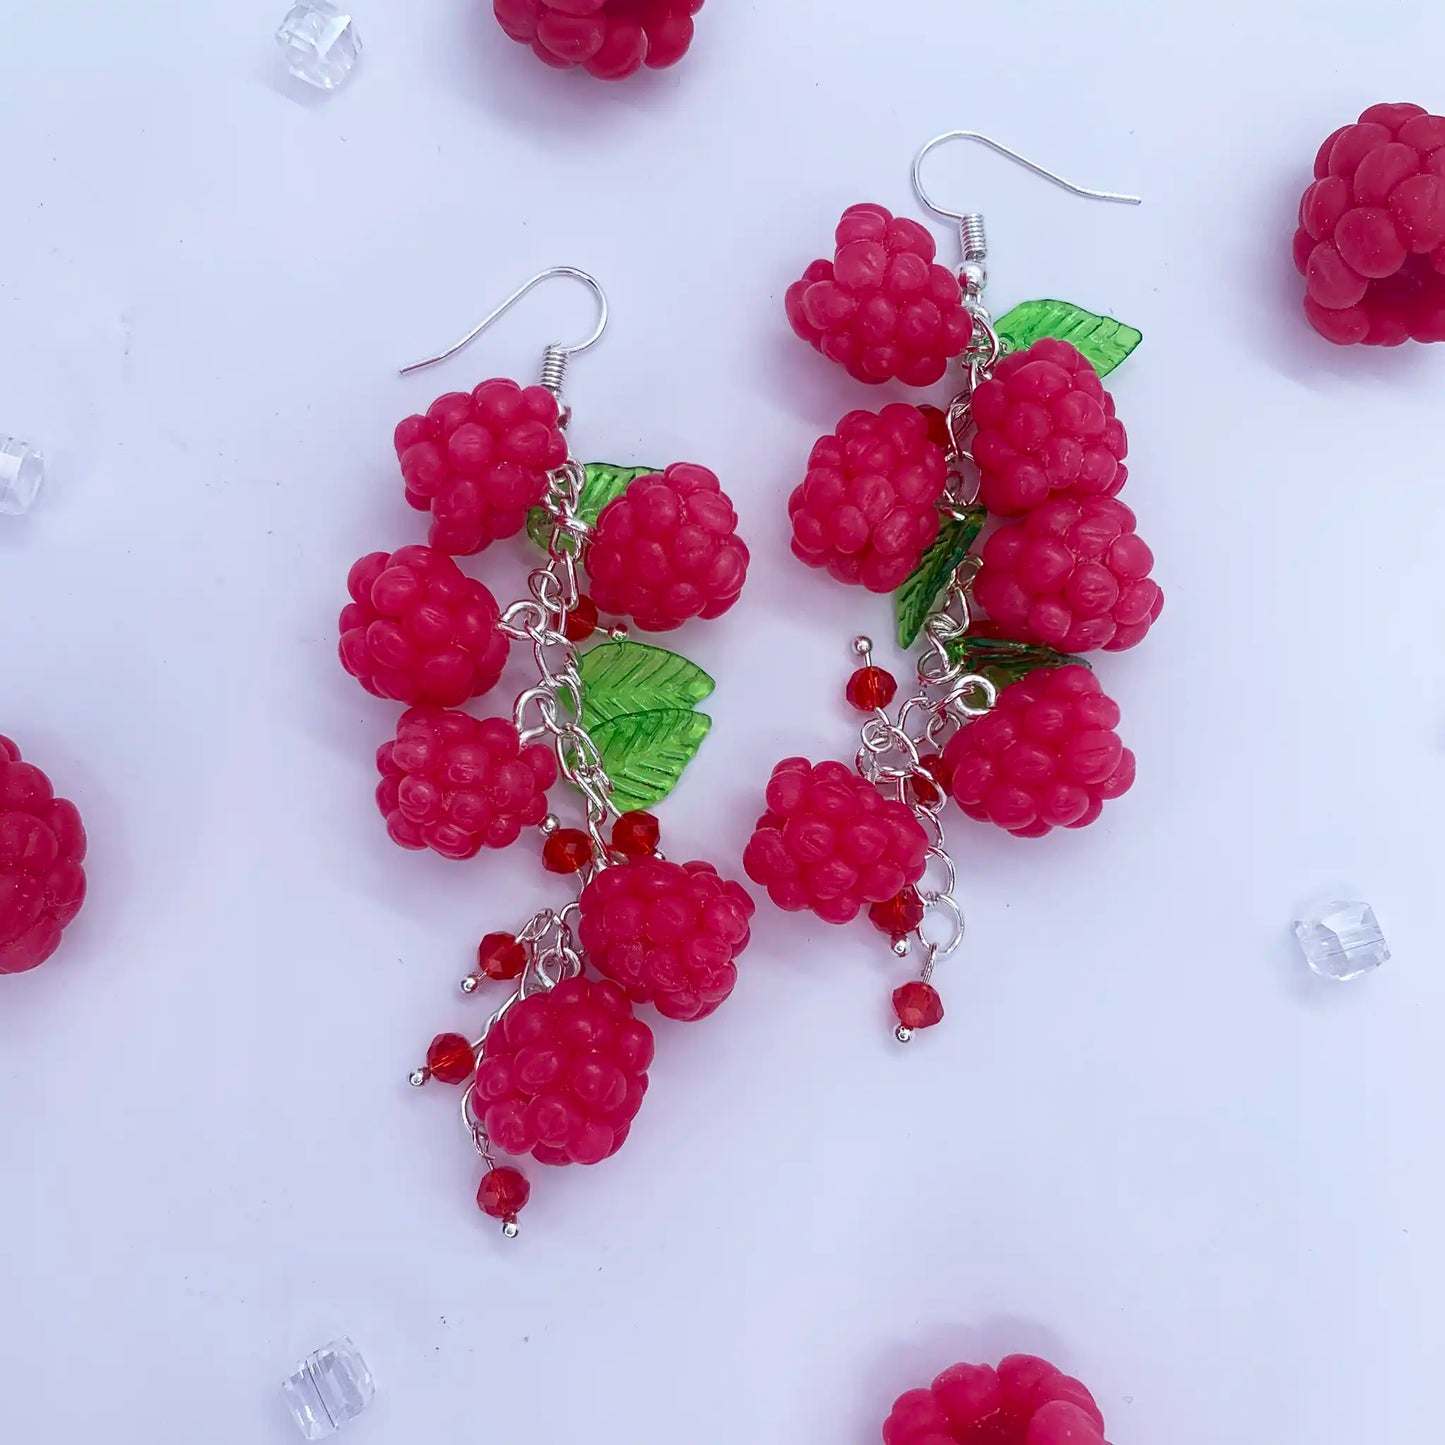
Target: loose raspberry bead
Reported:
point(667, 550)
point(1371, 238)
point(581, 621)
point(456, 784)
point(450, 1059)
point(42, 847)
point(562, 1073)
point(669, 933)
point(898, 916)
point(503, 1193)
point(1046, 756)
point(870, 688)
point(418, 630)
point(1072, 575)
point(501, 957)
point(1025, 1401)
point(477, 461)
point(635, 835)
point(917, 1005)
point(831, 842)
point(867, 510)
point(609, 39)
point(568, 850)
point(882, 307)
point(1046, 428)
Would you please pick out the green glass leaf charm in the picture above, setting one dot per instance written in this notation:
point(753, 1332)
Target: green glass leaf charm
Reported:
point(604, 482)
point(914, 600)
point(1104, 341)
point(1003, 662)
point(645, 752)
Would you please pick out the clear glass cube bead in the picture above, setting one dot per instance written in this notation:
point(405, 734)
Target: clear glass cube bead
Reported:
point(329, 1388)
point(1342, 940)
point(22, 471)
point(319, 42)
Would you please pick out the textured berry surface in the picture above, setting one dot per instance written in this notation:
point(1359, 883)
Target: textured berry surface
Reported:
point(418, 630)
point(42, 845)
point(610, 39)
point(563, 1073)
point(831, 842)
point(667, 550)
point(457, 784)
point(1046, 756)
point(477, 461)
point(1072, 575)
point(668, 933)
point(1046, 428)
point(1025, 1401)
point(1371, 237)
point(882, 307)
point(868, 508)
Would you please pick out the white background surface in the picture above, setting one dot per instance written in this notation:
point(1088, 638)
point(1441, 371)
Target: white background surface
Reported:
point(1146, 1142)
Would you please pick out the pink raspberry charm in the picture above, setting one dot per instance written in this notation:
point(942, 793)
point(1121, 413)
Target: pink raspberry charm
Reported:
point(1072, 575)
point(882, 307)
point(562, 1073)
point(668, 933)
point(1046, 428)
point(609, 39)
point(667, 550)
point(42, 847)
point(831, 842)
point(478, 461)
point(1371, 237)
point(418, 630)
point(867, 510)
point(1025, 1401)
point(1045, 757)
point(455, 784)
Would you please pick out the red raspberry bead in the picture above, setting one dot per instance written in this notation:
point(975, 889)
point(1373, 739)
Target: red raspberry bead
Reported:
point(1371, 238)
point(635, 835)
point(456, 784)
point(501, 957)
point(667, 550)
point(831, 842)
point(669, 933)
point(450, 1059)
point(1046, 756)
point(568, 850)
point(563, 1073)
point(1025, 1401)
point(418, 630)
point(477, 461)
point(882, 307)
point(503, 1193)
point(868, 508)
point(1072, 575)
point(609, 39)
point(898, 916)
point(42, 845)
point(917, 1005)
point(1046, 428)
point(870, 688)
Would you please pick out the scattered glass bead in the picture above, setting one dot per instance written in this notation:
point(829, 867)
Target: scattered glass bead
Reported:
point(568, 850)
point(581, 621)
point(917, 1005)
point(871, 687)
point(319, 43)
point(503, 1193)
point(636, 835)
point(1342, 940)
point(328, 1389)
point(898, 916)
point(450, 1059)
point(22, 472)
point(501, 957)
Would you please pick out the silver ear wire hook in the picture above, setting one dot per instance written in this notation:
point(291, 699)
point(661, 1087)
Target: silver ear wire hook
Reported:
point(971, 227)
point(556, 357)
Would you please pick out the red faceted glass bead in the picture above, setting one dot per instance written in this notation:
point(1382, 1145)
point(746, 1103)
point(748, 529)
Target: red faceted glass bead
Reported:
point(501, 957)
point(898, 916)
point(871, 687)
point(450, 1059)
point(503, 1192)
point(568, 850)
point(938, 432)
point(581, 620)
point(917, 1005)
point(938, 769)
point(635, 835)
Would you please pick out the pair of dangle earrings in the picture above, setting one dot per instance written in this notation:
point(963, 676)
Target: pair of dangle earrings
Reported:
point(995, 524)
point(559, 1069)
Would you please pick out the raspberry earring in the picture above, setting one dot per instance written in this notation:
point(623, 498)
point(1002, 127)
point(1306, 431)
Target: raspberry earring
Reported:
point(1005, 719)
point(560, 1068)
